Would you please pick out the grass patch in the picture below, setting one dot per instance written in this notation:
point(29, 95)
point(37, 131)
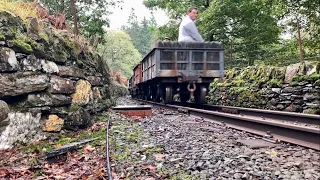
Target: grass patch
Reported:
point(46, 146)
point(155, 150)
point(21, 9)
point(124, 138)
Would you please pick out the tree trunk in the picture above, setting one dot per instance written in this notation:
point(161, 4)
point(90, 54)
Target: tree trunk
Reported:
point(74, 14)
point(300, 42)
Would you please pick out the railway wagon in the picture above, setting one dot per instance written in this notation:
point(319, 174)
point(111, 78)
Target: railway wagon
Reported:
point(135, 79)
point(129, 83)
point(181, 68)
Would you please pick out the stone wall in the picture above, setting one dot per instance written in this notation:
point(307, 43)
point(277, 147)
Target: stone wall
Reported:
point(48, 82)
point(295, 88)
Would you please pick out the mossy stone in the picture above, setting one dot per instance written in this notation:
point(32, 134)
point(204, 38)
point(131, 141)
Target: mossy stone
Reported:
point(21, 46)
point(2, 37)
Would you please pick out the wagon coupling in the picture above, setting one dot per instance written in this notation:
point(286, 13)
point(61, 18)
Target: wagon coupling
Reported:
point(191, 91)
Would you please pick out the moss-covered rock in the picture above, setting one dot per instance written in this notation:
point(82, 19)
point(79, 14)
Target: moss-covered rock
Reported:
point(10, 25)
point(20, 46)
point(265, 87)
point(2, 37)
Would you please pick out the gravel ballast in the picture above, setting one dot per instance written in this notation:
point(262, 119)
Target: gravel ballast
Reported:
point(171, 145)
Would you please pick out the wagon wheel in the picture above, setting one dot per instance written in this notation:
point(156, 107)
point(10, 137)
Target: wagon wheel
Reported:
point(201, 95)
point(166, 96)
point(154, 94)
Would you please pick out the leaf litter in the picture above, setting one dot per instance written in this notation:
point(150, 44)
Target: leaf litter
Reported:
point(27, 162)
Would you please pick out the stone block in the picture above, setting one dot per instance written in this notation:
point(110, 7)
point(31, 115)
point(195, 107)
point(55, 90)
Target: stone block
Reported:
point(43, 99)
point(31, 63)
point(69, 71)
point(53, 124)
point(4, 110)
point(95, 81)
point(8, 60)
point(60, 85)
point(78, 119)
point(83, 93)
point(49, 67)
point(13, 85)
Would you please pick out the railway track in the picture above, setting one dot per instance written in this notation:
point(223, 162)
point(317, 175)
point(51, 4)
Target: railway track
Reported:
point(295, 128)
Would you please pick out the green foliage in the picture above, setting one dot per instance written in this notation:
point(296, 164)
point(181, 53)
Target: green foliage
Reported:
point(250, 31)
point(170, 30)
point(74, 107)
point(92, 14)
point(143, 33)
point(306, 78)
point(118, 90)
point(275, 83)
point(119, 52)
point(176, 9)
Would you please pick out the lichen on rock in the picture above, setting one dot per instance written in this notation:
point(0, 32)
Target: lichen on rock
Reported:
point(23, 127)
point(83, 93)
point(53, 124)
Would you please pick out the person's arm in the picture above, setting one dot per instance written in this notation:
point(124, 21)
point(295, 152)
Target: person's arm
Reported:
point(193, 31)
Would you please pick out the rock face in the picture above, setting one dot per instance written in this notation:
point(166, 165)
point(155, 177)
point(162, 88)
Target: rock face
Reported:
point(23, 127)
point(67, 71)
point(61, 85)
point(295, 88)
point(4, 110)
point(78, 119)
point(53, 124)
point(8, 60)
point(39, 100)
point(46, 77)
point(18, 84)
point(83, 93)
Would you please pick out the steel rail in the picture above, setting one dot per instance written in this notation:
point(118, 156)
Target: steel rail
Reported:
point(265, 114)
point(107, 151)
point(292, 133)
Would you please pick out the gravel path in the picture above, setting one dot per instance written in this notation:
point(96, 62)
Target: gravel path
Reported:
point(171, 145)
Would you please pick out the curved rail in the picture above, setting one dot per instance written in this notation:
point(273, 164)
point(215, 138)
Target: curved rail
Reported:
point(259, 122)
point(107, 151)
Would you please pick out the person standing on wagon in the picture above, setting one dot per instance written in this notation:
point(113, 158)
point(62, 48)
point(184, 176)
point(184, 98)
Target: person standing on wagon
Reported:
point(188, 31)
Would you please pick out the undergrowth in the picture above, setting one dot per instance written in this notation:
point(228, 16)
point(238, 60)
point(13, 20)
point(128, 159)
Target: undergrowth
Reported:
point(21, 9)
point(44, 146)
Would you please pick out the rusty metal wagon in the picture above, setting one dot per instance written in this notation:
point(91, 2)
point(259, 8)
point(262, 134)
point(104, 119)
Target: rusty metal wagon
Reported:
point(180, 68)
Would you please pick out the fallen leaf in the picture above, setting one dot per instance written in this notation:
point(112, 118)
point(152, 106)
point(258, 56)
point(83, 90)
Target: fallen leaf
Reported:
point(152, 168)
point(58, 146)
point(159, 156)
point(98, 174)
point(114, 176)
point(150, 179)
point(59, 177)
point(88, 148)
point(272, 153)
point(4, 172)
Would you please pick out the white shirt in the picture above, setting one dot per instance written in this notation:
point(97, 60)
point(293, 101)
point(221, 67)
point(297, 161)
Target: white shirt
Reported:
point(188, 31)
